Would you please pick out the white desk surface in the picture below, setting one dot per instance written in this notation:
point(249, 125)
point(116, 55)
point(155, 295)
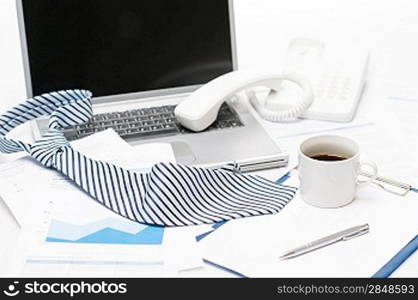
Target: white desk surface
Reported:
point(263, 29)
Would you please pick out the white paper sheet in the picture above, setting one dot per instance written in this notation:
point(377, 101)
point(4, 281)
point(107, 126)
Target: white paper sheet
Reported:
point(66, 233)
point(252, 246)
point(25, 174)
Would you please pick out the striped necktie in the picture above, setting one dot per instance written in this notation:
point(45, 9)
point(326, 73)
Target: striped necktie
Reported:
point(169, 195)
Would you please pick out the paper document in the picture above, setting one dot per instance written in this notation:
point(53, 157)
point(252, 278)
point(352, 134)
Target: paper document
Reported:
point(26, 174)
point(76, 232)
point(67, 233)
point(252, 246)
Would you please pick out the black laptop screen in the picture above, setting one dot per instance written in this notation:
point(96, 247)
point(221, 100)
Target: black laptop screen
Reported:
point(125, 46)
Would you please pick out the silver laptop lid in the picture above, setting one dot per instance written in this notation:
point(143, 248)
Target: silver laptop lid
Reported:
point(125, 49)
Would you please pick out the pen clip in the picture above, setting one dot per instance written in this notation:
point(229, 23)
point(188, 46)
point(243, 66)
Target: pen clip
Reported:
point(363, 230)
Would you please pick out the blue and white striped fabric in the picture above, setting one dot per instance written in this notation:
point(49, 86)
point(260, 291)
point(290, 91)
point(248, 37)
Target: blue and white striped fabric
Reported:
point(170, 195)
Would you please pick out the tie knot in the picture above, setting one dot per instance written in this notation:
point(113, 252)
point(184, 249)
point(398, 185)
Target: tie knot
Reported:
point(45, 149)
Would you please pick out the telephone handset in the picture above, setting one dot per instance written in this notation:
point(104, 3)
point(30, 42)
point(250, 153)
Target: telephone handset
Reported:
point(331, 81)
point(199, 110)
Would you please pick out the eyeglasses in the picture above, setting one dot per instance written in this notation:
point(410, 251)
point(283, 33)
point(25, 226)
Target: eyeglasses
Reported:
point(391, 185)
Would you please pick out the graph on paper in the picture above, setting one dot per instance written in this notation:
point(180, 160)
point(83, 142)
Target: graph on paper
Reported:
point(78, 219)
point(105, 231)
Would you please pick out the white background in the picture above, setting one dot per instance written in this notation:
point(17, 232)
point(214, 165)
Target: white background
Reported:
point(389, 28)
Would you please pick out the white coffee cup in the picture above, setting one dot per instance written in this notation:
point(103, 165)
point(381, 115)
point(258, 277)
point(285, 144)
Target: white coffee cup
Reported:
point(331, 183)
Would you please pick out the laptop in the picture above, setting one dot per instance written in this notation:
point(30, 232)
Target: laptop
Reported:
point(140, 59)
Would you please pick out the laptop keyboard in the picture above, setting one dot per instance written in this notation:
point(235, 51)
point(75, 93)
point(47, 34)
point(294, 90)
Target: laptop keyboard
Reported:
point(147, 123)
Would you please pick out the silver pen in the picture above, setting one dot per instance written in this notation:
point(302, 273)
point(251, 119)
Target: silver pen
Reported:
point(344, 235)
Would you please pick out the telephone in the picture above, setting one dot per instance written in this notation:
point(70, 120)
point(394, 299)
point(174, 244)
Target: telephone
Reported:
point(337, 73)
point(199, 110)
point(329, 82)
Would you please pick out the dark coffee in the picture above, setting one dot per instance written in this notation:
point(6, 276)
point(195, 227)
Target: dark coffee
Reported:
point(328, 157)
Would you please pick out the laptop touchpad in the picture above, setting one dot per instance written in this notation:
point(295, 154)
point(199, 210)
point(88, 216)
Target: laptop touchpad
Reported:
point(183, 153)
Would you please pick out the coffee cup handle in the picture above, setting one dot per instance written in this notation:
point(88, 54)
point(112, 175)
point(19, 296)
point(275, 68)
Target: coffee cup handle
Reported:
point(371, 176)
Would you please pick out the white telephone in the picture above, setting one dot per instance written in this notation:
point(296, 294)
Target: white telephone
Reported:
point(337, 73)
point(199, 110)
point(331, 87)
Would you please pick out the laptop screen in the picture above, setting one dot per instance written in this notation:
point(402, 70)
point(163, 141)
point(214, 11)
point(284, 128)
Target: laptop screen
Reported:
point(124, 46)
